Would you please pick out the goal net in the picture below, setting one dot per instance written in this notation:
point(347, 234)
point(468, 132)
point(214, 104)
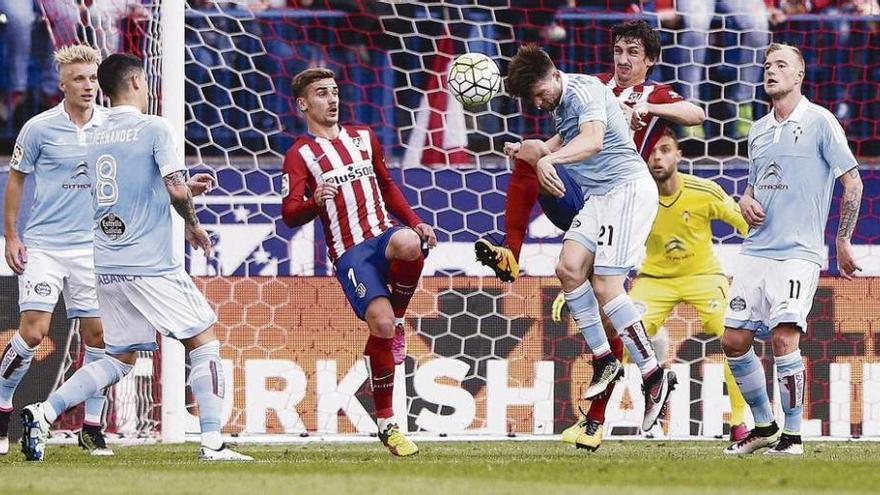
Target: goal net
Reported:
point(485, 359)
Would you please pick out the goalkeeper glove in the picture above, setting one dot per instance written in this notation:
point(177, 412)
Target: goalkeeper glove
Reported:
point(558, 306)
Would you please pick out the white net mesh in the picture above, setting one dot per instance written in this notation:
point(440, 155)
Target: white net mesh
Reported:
point(484, 356)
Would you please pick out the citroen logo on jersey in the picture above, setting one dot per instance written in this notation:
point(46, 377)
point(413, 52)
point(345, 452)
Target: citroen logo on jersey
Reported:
point(81, 170)
point(80, 177)
point(774, 172)
point(772, 178)
point(674, 244)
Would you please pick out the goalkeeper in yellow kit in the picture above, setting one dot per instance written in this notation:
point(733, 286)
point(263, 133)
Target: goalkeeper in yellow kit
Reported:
point(681, 266)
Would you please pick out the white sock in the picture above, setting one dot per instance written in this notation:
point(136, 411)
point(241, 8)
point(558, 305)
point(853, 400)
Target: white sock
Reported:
point(49, 412)
point(384, 422)
point(212, 440)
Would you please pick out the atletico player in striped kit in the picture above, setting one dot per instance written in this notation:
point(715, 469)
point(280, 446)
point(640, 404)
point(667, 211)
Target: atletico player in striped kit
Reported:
point(338, 173)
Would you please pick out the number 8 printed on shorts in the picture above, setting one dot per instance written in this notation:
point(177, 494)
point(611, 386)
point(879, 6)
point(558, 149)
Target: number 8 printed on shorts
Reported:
point(107, 190)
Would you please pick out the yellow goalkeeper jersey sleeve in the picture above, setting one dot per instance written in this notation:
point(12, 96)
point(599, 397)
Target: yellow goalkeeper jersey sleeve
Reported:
point(680, 242)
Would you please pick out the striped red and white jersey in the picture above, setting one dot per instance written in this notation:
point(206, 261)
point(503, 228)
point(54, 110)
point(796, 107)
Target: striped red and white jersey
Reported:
point(365, 191)
point(648, 92)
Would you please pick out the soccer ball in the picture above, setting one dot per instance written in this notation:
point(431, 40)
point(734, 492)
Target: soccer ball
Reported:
point(473, 79)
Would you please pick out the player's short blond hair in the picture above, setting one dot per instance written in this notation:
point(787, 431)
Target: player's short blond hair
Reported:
point(775, 47)
point(76, 54)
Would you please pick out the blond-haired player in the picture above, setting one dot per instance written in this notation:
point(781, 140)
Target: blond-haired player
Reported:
point(54, 257)
point(796, 154)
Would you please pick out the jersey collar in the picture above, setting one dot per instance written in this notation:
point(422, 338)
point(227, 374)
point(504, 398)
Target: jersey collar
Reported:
point(124, 109)
point(97, 116)
point(796, 115)
point(670, 200)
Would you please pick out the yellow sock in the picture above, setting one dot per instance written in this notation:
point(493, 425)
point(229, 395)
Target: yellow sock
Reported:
point(737, 401)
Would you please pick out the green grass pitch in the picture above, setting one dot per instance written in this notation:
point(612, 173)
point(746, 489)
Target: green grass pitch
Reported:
point(458, 468)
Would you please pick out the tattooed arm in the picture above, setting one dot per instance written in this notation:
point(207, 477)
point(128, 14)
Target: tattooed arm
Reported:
point(849, 214)
point(181, 199)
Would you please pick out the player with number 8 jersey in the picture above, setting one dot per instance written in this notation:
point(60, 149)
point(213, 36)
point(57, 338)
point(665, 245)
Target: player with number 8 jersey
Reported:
point(142, 285)
point(338, 174)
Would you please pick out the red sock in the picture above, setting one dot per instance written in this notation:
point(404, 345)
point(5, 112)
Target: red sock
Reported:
point(597, 407)
point(403, 276)
point(381, 364)
point(522, 193)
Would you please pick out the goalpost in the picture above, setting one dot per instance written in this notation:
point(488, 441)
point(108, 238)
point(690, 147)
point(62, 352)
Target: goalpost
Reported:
point(173, 105)
point(485, 360)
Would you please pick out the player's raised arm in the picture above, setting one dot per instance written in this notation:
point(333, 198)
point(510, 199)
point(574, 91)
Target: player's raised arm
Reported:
point(667, 104)
point(586, 144)
point(849, 214)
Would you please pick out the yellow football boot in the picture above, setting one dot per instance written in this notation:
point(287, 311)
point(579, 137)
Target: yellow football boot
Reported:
point(571, 434)
point(499, 258)
point(397, 442)
point(591, 438)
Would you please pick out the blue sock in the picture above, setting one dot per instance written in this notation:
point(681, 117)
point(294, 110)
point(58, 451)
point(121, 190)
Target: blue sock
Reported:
point(792, 377)
point(585, 310)
point(752, 383)
point(628, 322)
point(85, 383)
point(94, 404)
point(14, 363)
point(207, 381)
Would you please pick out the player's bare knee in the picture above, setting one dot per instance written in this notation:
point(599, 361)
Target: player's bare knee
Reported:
point(733, 344)
point(406, 245)
point(92, 332)
point(785, 340)
point(199, 340)
point(569, 273)
point(31, 337)
point(33, 328)
point(380, 318)
point(129, 358)
point(607, 288)
point(382, 326)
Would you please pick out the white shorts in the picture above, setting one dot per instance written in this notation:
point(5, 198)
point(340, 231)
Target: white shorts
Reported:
point(49, 273)
point(767, 292)
point(615, 226)
point(134, 308)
